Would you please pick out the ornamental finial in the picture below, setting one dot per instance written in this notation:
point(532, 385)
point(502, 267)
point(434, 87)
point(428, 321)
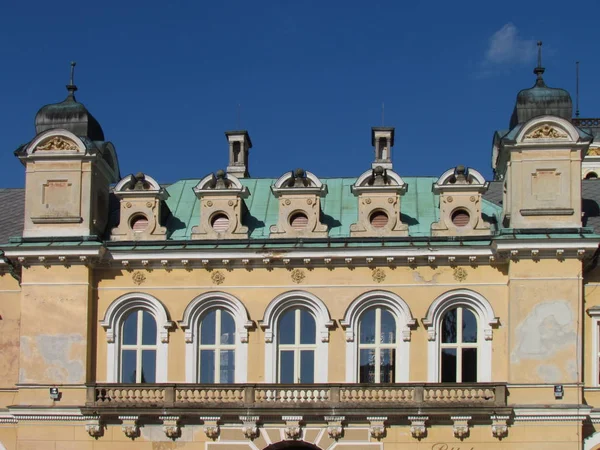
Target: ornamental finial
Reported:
point(71, 86)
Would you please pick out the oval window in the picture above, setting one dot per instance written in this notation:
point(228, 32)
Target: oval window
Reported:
point(460, 218)
point(299, 221)
point(138, 223)
point(220, 223)
point(379, 219)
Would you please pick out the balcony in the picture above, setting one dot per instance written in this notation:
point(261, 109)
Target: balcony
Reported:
point(300, 399)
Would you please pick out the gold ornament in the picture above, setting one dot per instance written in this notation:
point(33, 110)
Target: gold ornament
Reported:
point(138, 277)
point(460, 274)
point(546, 132)
point(378, 275)
point(298, 276)
point(217, 277)
point(58, 143)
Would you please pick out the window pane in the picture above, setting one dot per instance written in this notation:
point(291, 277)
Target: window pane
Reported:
point(227, 366)
point(148, 329)
point(130, 329)
point(287, 327)
point(308, 328)
point(449, 365)
point(286, 367)
point(469, 365)
point(449, 327)
point(207, 366)
point(469, 326)
point(367, 366)
point(148, 366)
point(207, 328)
point(227, 328)
point(128, 363)
point(386, 369)
point(307, 366)
point(388, 327)
point(367, 327)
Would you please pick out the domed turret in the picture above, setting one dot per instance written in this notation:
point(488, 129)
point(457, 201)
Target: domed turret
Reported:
point(69, 115)
point(541, 100)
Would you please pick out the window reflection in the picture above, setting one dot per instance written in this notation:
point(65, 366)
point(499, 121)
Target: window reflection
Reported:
point(216, 346)
point(458, 354)
point(297, 338)
point(139, 339)
point(377, 346)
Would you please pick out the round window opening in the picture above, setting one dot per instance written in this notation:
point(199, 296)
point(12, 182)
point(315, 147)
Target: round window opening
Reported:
point(460, 218)
point(299, 221)
point(379, 219)
point(139, 223)
point(220, 223)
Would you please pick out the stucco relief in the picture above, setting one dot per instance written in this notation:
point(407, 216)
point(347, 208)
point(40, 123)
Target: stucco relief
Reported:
point(546, 330)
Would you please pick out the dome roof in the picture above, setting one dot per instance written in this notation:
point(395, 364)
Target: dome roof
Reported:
point(69, 115)
point(541, 100)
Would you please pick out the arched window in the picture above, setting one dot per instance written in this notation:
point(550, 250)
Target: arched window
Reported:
point(459, 325)
point(216, 347)
point(216, 334)
point(459, 346)
point(296, 328)
point(138, 348)
point(137, 334)
point(377, 346)
point(297, 342)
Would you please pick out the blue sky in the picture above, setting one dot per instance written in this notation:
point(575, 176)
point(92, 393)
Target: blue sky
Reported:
point(165, 78)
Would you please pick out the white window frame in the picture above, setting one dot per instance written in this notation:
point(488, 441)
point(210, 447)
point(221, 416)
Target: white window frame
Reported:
point(459, 345)
point(323, 322)
point(191, 322)
point(139, 347)
point(594, 313)
point(486, 319)
point(216, 347)
point(404, 322)
point(113, 324)
point(296, 347)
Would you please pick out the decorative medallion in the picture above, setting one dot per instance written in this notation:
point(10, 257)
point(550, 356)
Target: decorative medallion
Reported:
point(309, 201)
point(368, 201)
point(209, 203)
point(230, 202)
point(449, 199)
point(128, 204)
point(378, 275)
point(58, 143)
point(460, 274)
point(390, 200)
point(138, 277)
point(149, 204)
point(298, 276)
point(217, 277)
point(287, 201)
point(472, 198)
point(546, 132)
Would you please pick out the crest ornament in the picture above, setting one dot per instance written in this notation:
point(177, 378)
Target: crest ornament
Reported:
point(298, 276)
point(58, 143)
point(460, 274)
point(378, 275)
point(217, 277)
point(138, 277)
point(546, 132)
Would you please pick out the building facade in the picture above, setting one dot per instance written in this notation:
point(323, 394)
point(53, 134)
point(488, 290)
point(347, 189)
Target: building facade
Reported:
point(374, 312)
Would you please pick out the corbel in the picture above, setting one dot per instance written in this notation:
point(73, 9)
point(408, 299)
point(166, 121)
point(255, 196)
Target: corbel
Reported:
point(250, 426)
point(499, 426)
point(293, 428)
point(460, 426)
point(94, 427)
point(211, 426)
point(377, 427)
point(130, 426)
point(418, 428)
point(335, 427)
point(171, 426)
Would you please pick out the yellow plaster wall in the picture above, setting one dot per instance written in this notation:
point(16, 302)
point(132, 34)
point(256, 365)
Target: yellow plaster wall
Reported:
point(10, 319)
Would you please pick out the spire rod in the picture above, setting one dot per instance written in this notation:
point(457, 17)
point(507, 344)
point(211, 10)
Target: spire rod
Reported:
point(577, 88)
point(539, 70)
point(71, 86)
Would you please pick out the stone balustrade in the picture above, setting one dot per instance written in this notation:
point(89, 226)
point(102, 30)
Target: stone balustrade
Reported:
point(234, 397)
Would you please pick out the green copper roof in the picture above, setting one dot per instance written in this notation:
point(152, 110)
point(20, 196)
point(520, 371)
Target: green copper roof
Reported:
point(420, 207)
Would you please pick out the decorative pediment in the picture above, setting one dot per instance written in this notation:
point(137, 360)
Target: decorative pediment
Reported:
point(546, 131)
point(57, 143)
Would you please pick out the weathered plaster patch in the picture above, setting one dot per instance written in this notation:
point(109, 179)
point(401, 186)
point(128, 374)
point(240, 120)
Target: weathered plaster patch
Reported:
point(419, 278)
point(25, 347)
point(549, 373)
point(572, 369)
point(155, 433)
point(548, 328)
point(56, 351)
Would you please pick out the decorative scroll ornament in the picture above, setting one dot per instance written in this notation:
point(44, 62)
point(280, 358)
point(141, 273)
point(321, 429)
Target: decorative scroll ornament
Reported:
point(171, 426)
point(94, 428)
point(418, 429)
point(217, 277)
point(292, 427)
point(461, 426)
point(130, 426)
point(212, 431)
point(499, 426)
point(58, 143)
point(378, 275)
point(335, 428)
point(377, 427)
point(138, 277)
point(298, 276)
point(546, 132)
point(460, 274)
point(250, 426)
